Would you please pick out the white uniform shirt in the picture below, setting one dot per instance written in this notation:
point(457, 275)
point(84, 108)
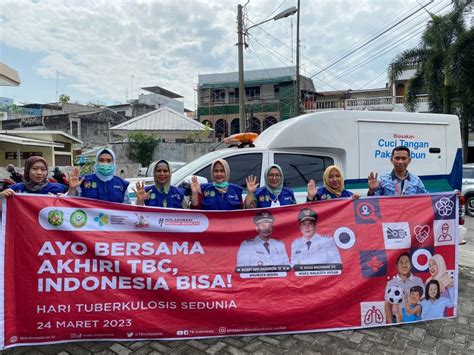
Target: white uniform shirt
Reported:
point(252, 252)
point(322, 250)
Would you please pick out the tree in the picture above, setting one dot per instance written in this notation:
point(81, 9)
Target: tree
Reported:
point(433, 63)
point(64, 98)
point(462, 68)
point(142, 146)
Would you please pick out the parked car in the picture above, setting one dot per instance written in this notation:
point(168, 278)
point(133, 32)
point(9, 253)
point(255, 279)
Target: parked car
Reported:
point(468, 187)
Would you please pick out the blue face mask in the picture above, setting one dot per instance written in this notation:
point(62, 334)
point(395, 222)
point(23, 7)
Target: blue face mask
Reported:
point(105, 169)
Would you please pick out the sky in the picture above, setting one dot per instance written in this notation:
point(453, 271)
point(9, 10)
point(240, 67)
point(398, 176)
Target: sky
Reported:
point(105, 51)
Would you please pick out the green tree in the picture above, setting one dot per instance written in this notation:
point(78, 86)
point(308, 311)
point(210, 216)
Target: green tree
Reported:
point(64, 98)
point(462, 68)
point(433, 60)
point(141, 147)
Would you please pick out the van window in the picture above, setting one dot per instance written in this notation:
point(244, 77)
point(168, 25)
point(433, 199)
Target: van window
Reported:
point(298, 169)
point(241, 166)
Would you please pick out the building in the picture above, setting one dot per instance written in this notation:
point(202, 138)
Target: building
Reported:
point(160, 97)
point(389, 98)
point(55, 146)
point(91, 127)
point(167, 125)
point(269, 98)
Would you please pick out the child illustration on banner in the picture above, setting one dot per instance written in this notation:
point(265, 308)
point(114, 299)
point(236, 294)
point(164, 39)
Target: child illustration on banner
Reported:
point(412, 310)
point(434, 305)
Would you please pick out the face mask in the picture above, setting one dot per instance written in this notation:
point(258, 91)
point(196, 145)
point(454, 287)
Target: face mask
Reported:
point(105, 169)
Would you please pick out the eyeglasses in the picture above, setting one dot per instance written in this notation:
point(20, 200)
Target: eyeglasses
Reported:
point(274, 176)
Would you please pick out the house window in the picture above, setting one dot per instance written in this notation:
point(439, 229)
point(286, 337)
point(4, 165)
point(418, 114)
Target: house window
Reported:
point(218, 95)
point(75, 129)
point(252, 92)
point(233, 95)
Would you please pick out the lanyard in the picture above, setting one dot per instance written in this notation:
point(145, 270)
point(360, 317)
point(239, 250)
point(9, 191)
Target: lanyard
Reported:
point(397, 188)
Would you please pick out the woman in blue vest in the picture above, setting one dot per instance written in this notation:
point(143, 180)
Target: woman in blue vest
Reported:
point(273, 194)
point(333, 181)
point(218, 195)
point(103, 184)
point(162, 194)
point(35, 180)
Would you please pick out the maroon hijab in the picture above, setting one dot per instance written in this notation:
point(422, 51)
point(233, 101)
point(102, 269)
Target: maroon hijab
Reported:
point(31, 185)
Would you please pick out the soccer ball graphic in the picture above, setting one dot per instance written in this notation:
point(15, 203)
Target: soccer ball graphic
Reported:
point(394, 295)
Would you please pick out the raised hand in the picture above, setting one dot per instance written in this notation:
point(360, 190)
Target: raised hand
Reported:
point(252, 184)
point(7, 193)
point(74, 180)
point(373, 182)
point(195, 185)
point(312, 190)
point(142, 195)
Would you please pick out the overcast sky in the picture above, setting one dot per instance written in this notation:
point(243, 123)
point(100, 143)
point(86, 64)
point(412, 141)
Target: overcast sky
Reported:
point(104, 51)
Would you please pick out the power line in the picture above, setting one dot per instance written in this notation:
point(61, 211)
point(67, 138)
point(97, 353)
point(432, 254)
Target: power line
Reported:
point(388, 42)
point(306, 58)
point(367, 42)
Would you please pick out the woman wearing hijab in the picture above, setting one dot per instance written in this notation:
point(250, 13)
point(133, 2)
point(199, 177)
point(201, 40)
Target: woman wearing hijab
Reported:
point(103, 184)
point(35, 180)
point(218, 195)
point(439, 272)
point(273, 194)
point(333, 180)
point(162, 194)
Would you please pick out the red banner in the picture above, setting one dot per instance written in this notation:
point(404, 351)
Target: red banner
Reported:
point(79, 269)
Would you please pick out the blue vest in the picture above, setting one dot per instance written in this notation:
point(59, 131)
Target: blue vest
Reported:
point(324, 194)
point(264, 197)
point(214, 200)
point(113, 190)
point(174, 197)
point(52, 187)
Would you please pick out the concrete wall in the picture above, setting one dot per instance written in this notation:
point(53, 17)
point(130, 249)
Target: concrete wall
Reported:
point(184, 152)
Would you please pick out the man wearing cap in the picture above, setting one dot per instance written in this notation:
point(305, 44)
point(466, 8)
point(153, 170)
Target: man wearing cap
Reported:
point(312, 248)
point(263, 250)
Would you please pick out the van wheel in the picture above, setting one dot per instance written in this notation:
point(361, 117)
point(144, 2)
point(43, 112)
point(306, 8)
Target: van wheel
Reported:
point(470, 206)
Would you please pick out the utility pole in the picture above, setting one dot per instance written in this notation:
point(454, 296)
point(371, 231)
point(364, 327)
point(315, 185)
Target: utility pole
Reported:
point(297, 83)
point(240, 46)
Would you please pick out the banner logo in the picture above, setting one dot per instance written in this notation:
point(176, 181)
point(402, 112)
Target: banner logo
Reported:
point(420, 259)
point(422, 232)
point(373, 263)
point(372, 313)
point(344, 238)
point(366, 211)
point(102, 219)
point(396, 235)
point(55, 218)
point(78, 218)
point(444, 206)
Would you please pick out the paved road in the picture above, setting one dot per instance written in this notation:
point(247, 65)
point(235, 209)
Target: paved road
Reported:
point(451, 336)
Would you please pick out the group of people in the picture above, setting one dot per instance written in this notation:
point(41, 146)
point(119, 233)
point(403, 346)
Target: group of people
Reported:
point(220, 194)
point(421, 301)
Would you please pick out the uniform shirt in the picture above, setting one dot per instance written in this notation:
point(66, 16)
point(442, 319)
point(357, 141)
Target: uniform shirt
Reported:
point(114, 190)
point(322, 250)
point(252, 252)
point(174, 197)
point(324, 194)
point(264, 198)
point(212, 199)
point(51, 187)
point(391, 185)
point(434, 310)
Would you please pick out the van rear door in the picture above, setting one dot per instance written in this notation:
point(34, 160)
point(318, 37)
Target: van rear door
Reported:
point(426, 140)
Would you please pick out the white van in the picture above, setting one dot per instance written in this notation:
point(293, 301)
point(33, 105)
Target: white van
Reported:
point(357, 141)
